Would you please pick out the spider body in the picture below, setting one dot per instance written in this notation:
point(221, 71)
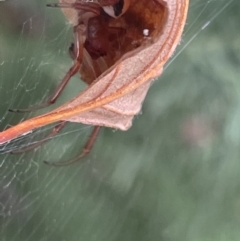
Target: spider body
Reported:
point(96, 42)
point(93, 35)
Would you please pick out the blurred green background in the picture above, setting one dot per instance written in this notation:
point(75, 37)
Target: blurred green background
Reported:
point(174, 176)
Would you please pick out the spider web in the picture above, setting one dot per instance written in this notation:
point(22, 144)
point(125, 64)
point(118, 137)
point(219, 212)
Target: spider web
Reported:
point(173, 176)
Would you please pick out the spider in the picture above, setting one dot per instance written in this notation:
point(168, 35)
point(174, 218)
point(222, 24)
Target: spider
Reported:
point(92, 37)
point(102, 38)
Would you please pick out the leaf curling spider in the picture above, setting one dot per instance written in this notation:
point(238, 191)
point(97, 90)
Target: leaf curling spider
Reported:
point(117, 87)
point(91, 41)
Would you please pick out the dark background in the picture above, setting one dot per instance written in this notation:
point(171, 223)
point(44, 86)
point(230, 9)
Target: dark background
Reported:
point(175, 175)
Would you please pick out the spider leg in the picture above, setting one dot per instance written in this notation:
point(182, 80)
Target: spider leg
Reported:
point(88, 62)
point(87, 149)
point(104, 3)
point(54, 132)
point(80, 37)
point(84, 6)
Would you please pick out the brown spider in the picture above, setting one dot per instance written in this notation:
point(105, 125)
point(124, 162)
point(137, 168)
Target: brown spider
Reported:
point(90, 43)
point(120, 46)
